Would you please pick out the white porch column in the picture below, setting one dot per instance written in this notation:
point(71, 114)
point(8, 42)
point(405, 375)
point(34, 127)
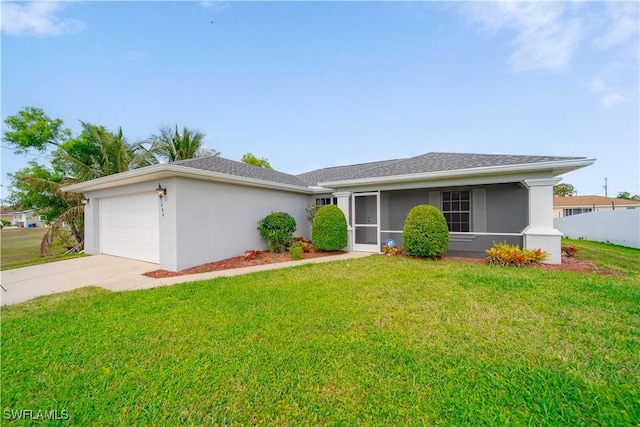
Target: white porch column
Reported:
point(540, 232)
point(344, 198)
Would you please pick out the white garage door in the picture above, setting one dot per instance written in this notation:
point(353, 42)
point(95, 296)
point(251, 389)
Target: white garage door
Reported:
point(130, 227)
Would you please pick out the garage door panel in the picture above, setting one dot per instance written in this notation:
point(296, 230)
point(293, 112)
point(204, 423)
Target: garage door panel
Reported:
point(130, 227)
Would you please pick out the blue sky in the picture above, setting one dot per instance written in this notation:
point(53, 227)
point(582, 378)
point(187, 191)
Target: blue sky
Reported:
point(315, 84)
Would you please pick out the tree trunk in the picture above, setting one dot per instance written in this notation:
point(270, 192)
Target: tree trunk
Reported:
point(74, 232)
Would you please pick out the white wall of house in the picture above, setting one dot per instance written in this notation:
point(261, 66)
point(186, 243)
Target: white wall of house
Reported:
point(216, 220)
point(202, 221)
point(621, 226)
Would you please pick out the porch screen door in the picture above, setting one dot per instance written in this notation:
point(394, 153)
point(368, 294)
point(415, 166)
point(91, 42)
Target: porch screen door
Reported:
point(366, 214)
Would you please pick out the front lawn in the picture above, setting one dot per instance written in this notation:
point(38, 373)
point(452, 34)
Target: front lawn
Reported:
point(373, 341)
point(21, 247)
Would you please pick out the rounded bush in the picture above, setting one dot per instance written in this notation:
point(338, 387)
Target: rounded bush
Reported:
point(425, 232)
point(329, 232)
point(277, 230)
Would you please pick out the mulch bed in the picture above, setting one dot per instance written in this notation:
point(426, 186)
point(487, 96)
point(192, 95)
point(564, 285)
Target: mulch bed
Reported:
point(265, 257)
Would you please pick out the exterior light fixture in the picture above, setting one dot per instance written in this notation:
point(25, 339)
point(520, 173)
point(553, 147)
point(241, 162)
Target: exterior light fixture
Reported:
point(161, 192)
point(84, 201)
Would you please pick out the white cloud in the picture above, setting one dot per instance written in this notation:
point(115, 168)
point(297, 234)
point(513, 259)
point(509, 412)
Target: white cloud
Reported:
point(623, 24)
point(546, 36)
point(608, 90)
point(36, 18)
point(215, 6)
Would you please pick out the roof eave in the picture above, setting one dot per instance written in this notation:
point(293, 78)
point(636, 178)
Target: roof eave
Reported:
point(555, 167)
point(163, 171)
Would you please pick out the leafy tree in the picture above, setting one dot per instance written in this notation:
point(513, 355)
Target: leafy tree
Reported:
point(563, 189)
point(94, 153)
point(32, 128)
point(172, 145)
point(250, 159)
point(627, 196)
point(39, 188)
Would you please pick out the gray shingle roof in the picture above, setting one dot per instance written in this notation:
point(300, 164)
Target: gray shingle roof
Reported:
point(231, 167)
point(338, 173)
point(426, 163)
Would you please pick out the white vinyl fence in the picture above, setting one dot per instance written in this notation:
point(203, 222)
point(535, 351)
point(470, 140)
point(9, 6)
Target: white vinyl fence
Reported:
point(621, 226)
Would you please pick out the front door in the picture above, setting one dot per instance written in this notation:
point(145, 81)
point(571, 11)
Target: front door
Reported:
point(366, 214)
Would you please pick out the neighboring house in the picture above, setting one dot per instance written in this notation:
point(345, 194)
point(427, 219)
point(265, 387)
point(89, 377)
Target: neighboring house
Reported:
point(25, 218)
point(573, 205)
point(212, 205)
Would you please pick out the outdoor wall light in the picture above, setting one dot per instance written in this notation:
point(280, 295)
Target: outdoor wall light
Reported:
point(84, 201)
point(161, 192)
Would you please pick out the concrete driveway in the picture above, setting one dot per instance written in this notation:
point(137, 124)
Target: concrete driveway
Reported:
point(109, 272)
point(112, 273)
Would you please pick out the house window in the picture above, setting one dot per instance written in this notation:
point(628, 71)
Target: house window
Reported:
point(575, 211)
point(456, 210)
point(323, 201)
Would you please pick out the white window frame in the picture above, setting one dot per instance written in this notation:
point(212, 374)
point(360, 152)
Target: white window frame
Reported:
point(448, 209)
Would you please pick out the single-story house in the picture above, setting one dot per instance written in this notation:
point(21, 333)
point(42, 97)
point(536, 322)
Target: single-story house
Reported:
point(22, 218)
point(574, 205)
point(200, 210)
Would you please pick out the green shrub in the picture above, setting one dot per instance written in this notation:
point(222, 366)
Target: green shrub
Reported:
point(296, 251)
point(329, 231)
point(425, 232)
point(277, 230)
point(505, 255)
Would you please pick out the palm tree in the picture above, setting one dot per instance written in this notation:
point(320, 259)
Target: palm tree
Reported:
point(171, 145)
point(98, 152)
point(94, 154)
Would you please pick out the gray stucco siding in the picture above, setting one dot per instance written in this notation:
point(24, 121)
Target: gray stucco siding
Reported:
point(505, 212)
point(507, 207)
point(216, 220)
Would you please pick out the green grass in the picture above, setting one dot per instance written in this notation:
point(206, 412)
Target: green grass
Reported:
point(20, 247)
point(618, 258)
point(373, 341)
